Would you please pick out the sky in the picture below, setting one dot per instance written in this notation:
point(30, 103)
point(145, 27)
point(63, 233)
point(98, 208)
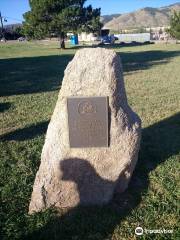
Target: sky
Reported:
point(13, 9)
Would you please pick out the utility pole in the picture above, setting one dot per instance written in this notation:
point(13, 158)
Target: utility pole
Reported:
point(2, 27)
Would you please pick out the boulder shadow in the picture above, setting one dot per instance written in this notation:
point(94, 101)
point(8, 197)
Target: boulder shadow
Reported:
point(159, 141)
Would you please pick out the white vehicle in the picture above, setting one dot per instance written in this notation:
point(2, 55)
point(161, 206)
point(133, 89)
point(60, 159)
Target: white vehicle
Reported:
point(133, 37)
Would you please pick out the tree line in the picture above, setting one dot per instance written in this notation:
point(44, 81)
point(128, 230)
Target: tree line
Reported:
point(11, 32)
point(57, 17)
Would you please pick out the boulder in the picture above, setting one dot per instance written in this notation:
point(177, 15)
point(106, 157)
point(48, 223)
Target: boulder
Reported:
point(67, 176)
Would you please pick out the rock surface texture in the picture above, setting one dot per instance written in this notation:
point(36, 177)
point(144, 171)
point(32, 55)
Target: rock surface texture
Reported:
point(68, 177)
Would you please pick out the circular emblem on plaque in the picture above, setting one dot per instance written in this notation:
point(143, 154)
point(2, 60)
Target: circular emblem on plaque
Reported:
point(86, 107)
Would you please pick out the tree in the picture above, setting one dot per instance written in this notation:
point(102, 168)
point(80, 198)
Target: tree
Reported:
point(174, 30)
point(57, 17)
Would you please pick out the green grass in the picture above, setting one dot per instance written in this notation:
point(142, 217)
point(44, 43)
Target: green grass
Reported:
point(30, 78)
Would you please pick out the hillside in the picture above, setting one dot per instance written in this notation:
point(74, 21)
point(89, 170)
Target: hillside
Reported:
point(107, 18)
point(146, 17)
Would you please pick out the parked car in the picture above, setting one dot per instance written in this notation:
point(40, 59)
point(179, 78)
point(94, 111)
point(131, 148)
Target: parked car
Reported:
point(109, 39)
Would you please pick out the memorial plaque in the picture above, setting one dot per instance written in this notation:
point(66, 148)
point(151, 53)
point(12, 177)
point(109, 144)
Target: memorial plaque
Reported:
point(88, 121)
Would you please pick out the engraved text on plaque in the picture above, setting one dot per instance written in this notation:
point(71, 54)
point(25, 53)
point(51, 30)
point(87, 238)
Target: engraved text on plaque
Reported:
point(88, 121)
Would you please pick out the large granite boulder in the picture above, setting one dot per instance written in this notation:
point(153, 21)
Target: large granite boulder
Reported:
point(68, 176)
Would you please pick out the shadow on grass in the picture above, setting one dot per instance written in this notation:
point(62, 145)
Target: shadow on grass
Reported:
point(32, 74)
point(41, 74)
point(159, 142)
point(111, 46)
point(134, 61)
point(4, 106)
point(26, 133)
point(137, 61)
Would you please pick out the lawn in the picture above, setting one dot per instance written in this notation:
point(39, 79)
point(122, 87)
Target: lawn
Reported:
point(30, 78)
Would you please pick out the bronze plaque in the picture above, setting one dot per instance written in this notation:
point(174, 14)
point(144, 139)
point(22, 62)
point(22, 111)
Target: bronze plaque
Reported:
point(88, 121)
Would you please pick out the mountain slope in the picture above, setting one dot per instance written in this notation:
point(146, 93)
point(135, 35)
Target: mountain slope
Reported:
point(107, 18)
point(146, 17)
